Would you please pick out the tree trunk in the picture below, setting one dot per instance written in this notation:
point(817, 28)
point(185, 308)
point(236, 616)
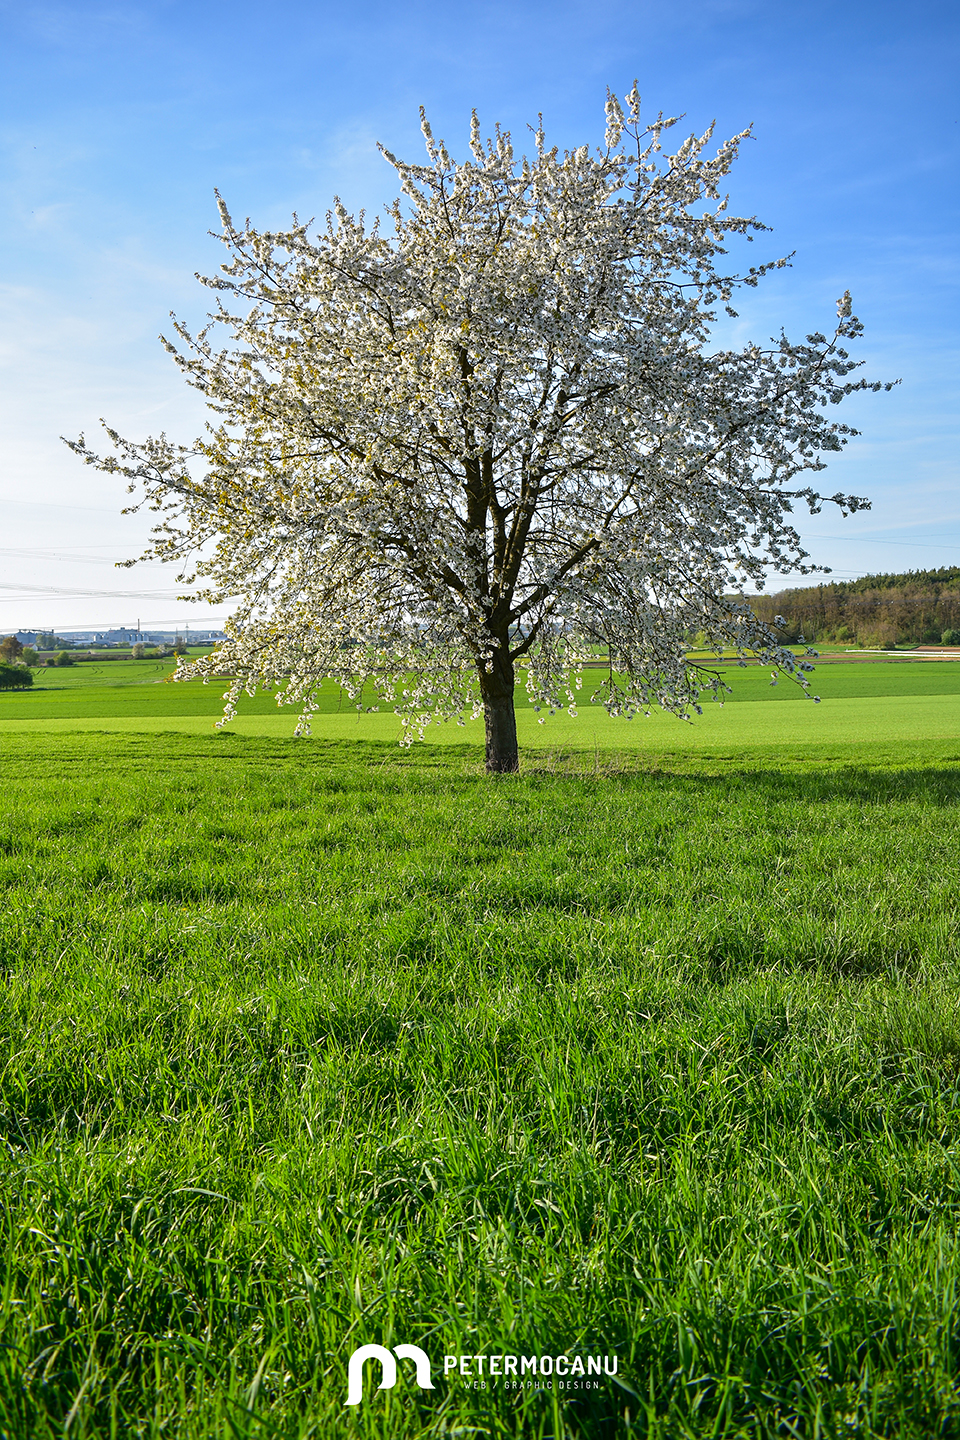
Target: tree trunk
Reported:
point(500, 721)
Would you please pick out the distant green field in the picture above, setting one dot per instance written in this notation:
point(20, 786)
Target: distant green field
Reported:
point(137, 682)
point(883, 702)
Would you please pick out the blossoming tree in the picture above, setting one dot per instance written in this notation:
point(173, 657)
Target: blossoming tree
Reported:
point(494, 433)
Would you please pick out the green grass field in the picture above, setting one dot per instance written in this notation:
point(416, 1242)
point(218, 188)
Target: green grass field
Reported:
point(652, 1052)
point(889, 703)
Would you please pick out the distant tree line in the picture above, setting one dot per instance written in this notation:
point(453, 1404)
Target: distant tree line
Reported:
point(17, 656)
point(920, 607)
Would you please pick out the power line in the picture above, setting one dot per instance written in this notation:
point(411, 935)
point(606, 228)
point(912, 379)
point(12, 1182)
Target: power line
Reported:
point(870, 540)
point(63, 554)
point(198, 623)
point(37, 592)
point(58, 505)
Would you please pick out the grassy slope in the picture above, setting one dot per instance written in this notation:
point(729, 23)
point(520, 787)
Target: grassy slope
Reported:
point(312, 1045)
point(912, 721)
point(130, 683)
point(889, 703)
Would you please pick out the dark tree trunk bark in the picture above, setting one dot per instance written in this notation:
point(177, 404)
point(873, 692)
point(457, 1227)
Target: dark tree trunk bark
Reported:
point(496, 688)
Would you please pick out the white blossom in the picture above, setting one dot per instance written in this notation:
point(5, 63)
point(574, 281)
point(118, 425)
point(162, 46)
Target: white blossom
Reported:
point(495, 432)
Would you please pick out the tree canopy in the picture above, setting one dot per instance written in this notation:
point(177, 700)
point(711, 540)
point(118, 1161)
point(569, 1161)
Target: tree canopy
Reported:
point(14, 677)
point(496, 429)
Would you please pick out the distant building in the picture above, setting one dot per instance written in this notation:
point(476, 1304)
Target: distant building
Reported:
point(38, 637)
point(123, 635)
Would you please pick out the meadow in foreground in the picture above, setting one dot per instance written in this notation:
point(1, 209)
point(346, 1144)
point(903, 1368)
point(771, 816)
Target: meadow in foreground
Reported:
point(311, 1045)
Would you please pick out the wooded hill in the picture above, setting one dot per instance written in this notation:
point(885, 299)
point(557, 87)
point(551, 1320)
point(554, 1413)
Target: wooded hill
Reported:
point(914, 608)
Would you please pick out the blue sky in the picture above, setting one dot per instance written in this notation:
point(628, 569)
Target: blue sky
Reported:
point(117, 121)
